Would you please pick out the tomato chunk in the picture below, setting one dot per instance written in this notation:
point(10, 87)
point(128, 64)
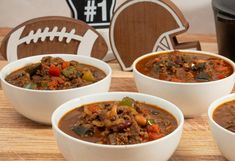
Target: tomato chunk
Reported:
point(221, 76)
point(154, 136)
point(54, 71)
point(154, 128)
point(221, 68)
point(65, 64)
point(94, 108)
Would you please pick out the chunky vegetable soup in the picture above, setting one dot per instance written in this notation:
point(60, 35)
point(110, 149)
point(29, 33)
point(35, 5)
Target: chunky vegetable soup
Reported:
point(54, 73)
point(184, 67)
point(224, 115)
point(118, 122)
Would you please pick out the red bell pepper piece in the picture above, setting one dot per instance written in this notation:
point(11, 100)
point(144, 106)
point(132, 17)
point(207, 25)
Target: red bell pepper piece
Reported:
point(54, 71)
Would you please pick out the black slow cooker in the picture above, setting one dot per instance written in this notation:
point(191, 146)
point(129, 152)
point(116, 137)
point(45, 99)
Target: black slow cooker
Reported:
point(224, 13)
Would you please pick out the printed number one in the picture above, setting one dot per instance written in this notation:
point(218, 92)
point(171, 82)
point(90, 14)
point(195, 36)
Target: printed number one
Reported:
point(103, 5)
point(90, 10)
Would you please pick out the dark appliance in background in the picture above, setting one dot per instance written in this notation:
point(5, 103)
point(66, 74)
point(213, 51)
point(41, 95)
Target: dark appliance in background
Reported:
point(224, 13)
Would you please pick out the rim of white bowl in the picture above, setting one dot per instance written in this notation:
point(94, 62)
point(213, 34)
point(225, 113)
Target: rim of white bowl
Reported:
point(108, 75)
point(180, 121)
point(213, 107)
point(184, 83)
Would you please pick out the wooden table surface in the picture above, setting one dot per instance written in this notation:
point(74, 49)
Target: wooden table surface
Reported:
point(22, 139)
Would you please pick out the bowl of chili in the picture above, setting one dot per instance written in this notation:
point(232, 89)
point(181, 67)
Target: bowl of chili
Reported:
point(117, 126)
point(37, 85)
point(189, 79)
point(221, 115)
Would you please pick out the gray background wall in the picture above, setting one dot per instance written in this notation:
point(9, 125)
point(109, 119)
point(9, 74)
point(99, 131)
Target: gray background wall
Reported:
point(13, 12)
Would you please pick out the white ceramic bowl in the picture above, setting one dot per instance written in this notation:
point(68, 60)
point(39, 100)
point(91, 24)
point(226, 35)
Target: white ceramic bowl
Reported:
point(192, 98)
point(77, 150)
point(225, 139)
point(38, 105)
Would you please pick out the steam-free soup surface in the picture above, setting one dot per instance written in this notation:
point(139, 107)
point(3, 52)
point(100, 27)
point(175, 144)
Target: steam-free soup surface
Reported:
point(54, 73)
point(184, 67)
point(224, 115)
point(118, 122)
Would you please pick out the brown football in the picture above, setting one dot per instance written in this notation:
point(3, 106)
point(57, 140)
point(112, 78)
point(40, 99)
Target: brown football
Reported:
point(53, 35)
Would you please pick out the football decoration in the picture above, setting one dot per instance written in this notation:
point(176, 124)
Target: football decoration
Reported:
point(143, 26)
point(53, 35)
point(96, 13)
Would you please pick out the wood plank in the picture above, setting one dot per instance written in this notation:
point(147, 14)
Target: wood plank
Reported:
point(4, 31)
point(209, 38)
point(14, 156)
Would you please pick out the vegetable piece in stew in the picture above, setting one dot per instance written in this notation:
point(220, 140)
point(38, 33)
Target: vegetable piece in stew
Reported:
point(54, 73)
point(118, 122)
point(224, 115)
point(184, 67)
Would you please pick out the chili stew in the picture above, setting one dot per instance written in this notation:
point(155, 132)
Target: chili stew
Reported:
point(187, 67)
point(118, 122)
point(54, 73)
point(224, 115)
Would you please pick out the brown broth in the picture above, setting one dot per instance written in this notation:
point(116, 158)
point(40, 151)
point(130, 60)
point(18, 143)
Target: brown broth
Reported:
point(224, 115)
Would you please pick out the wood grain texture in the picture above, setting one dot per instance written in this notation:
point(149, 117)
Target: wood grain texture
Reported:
point(52, 44)
point(24, 140)
point(139, 27)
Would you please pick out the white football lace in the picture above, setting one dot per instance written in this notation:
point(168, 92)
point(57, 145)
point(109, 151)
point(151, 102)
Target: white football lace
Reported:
point(42, 35)
point(87, 40)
